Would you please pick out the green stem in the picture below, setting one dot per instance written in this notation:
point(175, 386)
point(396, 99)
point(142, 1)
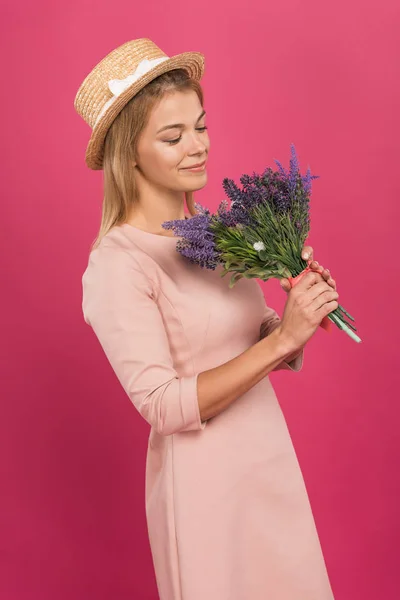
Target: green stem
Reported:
point(342, 325)
point(338, 313)
point(346, 313)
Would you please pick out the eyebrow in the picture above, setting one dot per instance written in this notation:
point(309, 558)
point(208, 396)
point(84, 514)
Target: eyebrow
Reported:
point(182, 125)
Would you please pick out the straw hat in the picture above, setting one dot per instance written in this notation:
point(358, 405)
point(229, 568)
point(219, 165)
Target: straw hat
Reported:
point(117, 78)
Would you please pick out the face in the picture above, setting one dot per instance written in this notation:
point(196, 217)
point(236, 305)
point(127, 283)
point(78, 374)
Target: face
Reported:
point(174, 139)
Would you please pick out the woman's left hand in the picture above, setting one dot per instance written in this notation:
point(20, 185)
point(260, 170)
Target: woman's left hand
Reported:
point(307, 254)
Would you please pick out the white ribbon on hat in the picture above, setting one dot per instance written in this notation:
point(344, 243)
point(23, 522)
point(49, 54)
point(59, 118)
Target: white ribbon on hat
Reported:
point(117, 86)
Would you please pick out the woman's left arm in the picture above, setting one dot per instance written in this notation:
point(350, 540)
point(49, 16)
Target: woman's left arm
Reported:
point(270, 321)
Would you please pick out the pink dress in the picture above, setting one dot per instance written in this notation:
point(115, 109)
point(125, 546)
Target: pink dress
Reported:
point(227, 510)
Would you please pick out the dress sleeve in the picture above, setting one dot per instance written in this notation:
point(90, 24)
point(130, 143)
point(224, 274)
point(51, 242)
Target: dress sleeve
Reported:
point(270, 322)
point(118, 303)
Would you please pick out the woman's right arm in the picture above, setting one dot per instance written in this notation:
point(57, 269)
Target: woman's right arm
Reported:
point(217, 388)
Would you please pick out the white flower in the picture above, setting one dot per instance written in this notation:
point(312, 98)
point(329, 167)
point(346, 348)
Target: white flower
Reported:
point(259, 246)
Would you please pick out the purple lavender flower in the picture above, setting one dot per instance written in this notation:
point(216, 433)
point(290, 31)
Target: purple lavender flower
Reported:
point(294, 186)
point(201, 210)
point(246, 180)
point(232, 191)
point(276, 187)
point(228, 218)
point(295, 174)
point(282, 170)
point(198, 242)
point(294, 169)
point(241, 203)
point(306, 179)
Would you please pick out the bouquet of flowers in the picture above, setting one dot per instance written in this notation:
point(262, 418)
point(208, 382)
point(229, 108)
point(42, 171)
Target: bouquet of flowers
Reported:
point(261, 234)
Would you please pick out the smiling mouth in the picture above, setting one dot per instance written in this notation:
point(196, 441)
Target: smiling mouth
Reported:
point(198, 166)
point(195, 169)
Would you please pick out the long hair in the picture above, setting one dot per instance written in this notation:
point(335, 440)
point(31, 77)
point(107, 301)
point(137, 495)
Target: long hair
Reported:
point(120, 190)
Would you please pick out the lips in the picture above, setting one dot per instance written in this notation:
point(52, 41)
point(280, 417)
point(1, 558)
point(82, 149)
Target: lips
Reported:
point(194, 166)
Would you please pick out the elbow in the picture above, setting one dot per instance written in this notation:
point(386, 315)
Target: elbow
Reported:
point(173, 407)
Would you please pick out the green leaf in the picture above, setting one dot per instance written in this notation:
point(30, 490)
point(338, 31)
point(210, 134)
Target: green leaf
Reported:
point(235, 277)
point(263, 255)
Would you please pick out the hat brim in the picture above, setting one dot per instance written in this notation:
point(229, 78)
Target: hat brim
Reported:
point(192, 62)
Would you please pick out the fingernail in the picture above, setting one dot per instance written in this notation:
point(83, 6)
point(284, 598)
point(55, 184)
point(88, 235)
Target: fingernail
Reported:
point(306, 255)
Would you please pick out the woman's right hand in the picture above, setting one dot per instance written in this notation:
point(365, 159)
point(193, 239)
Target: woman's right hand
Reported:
point(308, 302)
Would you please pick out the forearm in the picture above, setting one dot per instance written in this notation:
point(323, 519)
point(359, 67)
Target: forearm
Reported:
point(294, 355)
point(271, 323)
point(217, 388)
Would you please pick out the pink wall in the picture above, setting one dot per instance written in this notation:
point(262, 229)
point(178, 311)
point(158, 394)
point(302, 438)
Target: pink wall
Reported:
point(321, 75)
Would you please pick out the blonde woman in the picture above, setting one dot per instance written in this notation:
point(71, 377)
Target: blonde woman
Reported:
point(227, 509)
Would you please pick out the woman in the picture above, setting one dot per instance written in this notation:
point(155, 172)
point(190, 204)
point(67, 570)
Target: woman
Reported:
point(227, 510)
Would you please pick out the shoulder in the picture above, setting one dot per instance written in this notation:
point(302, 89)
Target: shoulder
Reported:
point(117, 239)
point(115, 279)
point(117, 262)
point(118, 249)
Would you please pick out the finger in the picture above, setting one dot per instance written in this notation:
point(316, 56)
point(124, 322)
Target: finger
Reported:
point(315, 265)
point(319, 292)
point(330, 279)
point(285, 285)
point(307, 253)
point(307, 281)
point(323, 298)
point(326, 274)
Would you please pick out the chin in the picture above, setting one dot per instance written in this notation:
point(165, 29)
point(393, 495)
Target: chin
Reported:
point(196, 188)
point(198, 183)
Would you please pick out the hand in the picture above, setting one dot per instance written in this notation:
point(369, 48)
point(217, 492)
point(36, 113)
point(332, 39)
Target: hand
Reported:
point(309, 301)
point(326, 274)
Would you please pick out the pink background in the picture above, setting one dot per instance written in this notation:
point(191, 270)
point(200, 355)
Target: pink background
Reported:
point(72, 448)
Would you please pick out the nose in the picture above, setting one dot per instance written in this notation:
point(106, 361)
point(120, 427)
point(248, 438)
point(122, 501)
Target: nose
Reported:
point(197, 145)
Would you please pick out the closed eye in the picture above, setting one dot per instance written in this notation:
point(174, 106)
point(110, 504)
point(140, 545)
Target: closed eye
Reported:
point(180, 137)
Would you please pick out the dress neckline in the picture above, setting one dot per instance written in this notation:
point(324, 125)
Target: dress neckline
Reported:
point(144, 233)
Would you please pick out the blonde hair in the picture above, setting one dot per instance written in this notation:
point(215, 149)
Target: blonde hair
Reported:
point(120, 146)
